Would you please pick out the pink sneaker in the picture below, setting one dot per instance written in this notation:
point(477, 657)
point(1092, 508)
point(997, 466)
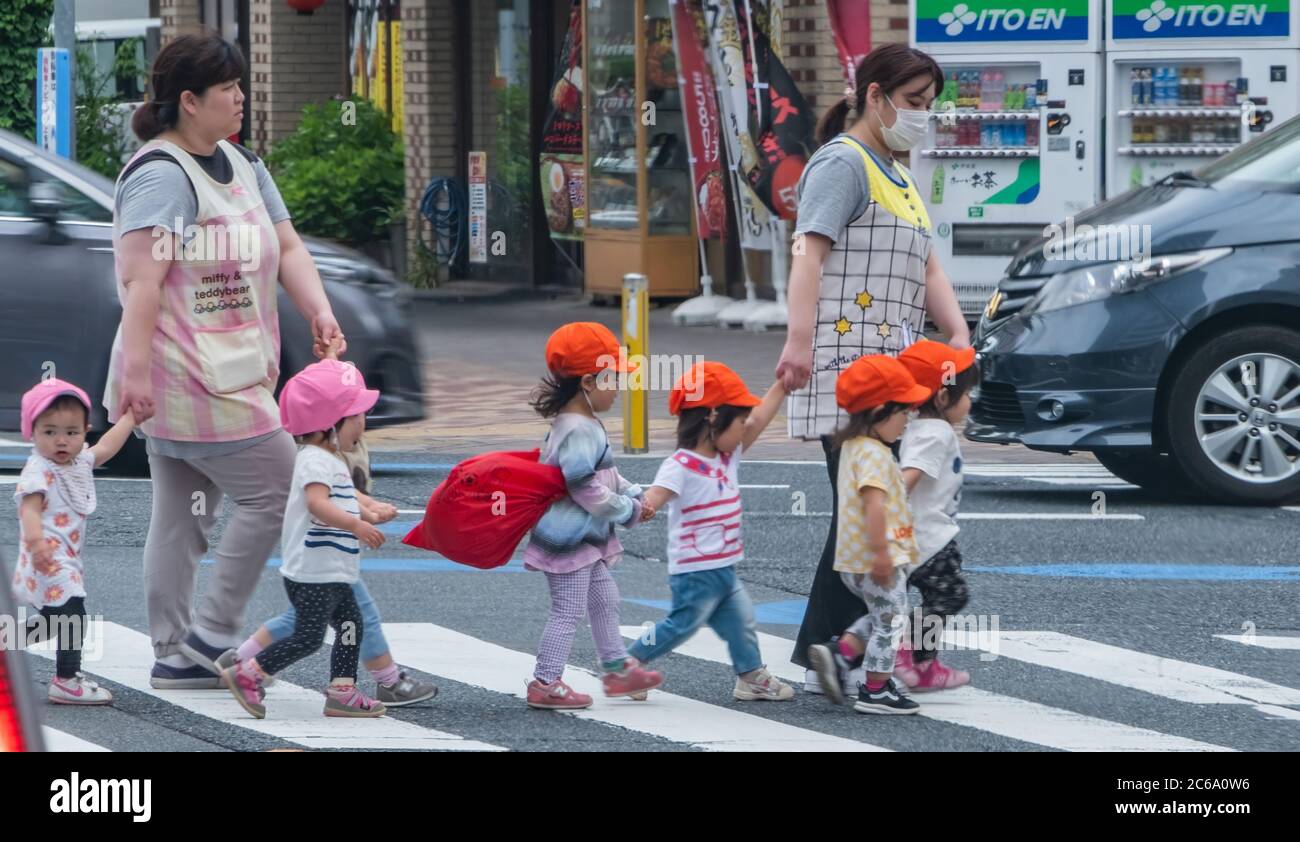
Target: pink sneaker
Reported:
point(939, 677)
point(556, 696)
point(245, 684)
point(905, 667)
point(633, 680)
point(350, 701)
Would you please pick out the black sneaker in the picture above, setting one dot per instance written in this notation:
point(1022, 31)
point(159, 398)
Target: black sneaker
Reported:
point(887, 700)
point(832, 670)
point(163, 677)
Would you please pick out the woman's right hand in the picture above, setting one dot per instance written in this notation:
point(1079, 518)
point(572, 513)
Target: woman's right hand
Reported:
point(137, 398)
point(795, 366)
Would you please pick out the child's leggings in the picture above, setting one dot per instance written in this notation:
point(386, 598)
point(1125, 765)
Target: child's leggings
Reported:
point(590, 591)
point(318, 605)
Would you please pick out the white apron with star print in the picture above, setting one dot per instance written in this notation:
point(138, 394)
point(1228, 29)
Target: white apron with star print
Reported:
point(872, 294)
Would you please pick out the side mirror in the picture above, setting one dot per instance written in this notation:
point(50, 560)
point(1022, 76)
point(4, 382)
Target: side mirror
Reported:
point(45, 201)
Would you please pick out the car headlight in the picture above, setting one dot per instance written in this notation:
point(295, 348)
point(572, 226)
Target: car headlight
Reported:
point(1093, 283)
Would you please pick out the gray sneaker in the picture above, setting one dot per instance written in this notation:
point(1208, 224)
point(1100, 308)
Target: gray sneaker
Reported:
point(405, 691)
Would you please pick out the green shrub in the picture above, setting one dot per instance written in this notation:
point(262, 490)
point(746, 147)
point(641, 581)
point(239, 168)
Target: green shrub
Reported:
point(341, 178)
point(24, 26)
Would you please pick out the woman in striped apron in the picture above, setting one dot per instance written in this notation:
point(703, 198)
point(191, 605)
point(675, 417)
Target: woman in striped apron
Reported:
point(202, 241)
point(863, 275)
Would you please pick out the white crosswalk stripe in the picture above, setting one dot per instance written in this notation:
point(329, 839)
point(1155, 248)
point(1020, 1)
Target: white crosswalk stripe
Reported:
point(1263, 641)
point(1168, 677)
point(293, 713)
point(460, 657)
point(56, 740)
point(974, 708)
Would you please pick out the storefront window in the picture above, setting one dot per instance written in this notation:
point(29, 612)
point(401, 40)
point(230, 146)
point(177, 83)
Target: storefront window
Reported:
point(667, 161)
point(611, 28)
point(500, 79)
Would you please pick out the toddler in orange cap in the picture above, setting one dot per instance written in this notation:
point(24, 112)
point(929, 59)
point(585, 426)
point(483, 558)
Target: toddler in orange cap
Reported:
point(717, 420)
point(874, 543)
point(930, 458)
point(574, 542)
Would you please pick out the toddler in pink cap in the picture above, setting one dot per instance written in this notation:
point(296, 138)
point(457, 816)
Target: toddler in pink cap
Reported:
point(55, 496)
point(323, 407)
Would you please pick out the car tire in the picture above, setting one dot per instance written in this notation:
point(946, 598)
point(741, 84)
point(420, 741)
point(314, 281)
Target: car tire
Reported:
point(1261, 354)
point(1156, 473)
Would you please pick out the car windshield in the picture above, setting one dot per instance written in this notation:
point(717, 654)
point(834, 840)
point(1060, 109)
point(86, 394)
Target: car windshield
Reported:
point(1271, 163)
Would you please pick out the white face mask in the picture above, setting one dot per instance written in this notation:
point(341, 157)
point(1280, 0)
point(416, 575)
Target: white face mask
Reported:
point(908, 128)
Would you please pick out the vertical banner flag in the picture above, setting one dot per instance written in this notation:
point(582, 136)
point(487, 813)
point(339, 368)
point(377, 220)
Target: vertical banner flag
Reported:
point(784, 124)
point(563, 181)
point(851, 27)
point(699, 101)
point(729, 75)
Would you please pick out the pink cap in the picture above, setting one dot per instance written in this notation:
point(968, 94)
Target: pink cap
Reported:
point(322, 395)
point(38, 399)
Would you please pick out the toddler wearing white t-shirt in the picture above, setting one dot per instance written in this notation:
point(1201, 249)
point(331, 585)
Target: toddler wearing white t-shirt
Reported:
point(930, 458)
point(718, 419)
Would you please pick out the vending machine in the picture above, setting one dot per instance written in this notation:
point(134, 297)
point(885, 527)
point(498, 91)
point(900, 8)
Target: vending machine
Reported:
point(1188, 81)
point(1015, 141)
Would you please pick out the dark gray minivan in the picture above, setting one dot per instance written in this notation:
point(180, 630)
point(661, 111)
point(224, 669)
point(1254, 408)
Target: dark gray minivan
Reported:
point(1160, 331)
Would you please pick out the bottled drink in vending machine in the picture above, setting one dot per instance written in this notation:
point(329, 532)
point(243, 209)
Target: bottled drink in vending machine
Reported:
point(1148, 86)
point(999, 90)
point(1031, 133)
point(1135, 86)
point(1184, 86)
point(1198, 94)
point(986, 91)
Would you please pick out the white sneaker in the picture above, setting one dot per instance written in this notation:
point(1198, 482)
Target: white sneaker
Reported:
point(764, 687)
point(78, 690)
point(857, 677)
point(812, 683)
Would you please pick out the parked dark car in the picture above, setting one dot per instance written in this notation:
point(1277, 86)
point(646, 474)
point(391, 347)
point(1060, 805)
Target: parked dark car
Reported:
point(59, 306)
point(1180, 371)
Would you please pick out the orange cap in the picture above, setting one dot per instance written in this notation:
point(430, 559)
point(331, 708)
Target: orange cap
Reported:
point(710, 385)
point(875, 381)
point(580, 348)
point(930, 361)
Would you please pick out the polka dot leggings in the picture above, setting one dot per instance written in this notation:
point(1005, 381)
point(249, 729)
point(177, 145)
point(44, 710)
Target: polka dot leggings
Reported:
point(319, 605)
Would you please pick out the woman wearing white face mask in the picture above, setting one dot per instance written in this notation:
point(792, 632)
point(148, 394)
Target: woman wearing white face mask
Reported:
point(863, 274)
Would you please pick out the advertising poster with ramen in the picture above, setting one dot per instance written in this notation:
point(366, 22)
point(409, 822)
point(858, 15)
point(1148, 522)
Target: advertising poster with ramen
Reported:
point(562, 176)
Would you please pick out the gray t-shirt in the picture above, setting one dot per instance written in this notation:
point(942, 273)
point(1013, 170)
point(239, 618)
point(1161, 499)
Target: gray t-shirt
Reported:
point(833, 190)
point(156, 194)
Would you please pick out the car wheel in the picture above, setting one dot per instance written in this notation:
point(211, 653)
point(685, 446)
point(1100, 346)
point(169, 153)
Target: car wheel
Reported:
point(1233, 416)
point(1156, 473)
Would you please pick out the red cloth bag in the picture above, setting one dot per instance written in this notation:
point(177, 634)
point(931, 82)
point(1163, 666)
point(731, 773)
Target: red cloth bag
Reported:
point(485, 506)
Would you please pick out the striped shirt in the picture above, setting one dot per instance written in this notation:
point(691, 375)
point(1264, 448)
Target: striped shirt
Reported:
point(314, 552)
point(704, 516)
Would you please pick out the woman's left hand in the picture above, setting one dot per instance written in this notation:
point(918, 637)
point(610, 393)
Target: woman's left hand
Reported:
point(324, 330)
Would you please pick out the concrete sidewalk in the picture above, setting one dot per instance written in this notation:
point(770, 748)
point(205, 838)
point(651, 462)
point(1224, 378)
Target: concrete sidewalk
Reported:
point(482, 358)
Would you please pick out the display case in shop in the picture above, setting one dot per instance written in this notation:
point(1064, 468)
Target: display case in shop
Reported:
point(638, 170)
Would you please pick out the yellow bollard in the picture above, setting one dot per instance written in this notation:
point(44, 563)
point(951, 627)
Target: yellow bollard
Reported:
point(636, 336)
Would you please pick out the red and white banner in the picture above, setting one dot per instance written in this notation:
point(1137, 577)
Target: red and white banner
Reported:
point(703, 126)
point(851, 26)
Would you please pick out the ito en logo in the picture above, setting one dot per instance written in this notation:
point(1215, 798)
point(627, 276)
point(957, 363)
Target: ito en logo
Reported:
point(1155, 15)
point(958, 19)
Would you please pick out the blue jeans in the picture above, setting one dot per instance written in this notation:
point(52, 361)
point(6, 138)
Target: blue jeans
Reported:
point(713, 597)
point(372, 633)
